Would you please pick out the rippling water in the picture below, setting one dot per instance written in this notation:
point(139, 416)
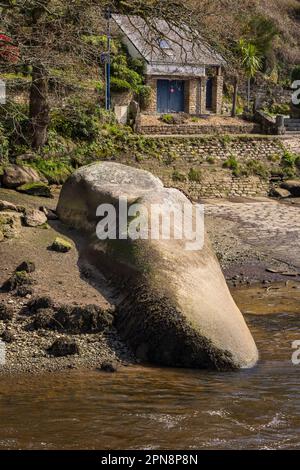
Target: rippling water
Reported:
point(152, 408)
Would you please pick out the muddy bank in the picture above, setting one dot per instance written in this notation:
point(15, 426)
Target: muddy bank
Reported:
point(67, 279)
point(275, 298)
point(256, 240)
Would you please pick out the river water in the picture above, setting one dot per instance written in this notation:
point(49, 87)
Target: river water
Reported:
point(153, 408)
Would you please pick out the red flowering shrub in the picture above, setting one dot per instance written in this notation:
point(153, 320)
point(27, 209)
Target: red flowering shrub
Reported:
point(8, 52)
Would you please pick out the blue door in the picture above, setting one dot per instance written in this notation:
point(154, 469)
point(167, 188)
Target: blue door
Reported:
point(209, 93)
point(170, 96)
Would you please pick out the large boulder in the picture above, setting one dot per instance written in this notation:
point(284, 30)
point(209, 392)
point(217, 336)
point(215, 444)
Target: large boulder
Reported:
point(175, 308)
point(293, 186)
point(17, 175)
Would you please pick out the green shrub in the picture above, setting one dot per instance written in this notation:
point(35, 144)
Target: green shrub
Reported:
point(231, 163)
point(55, 171)
point(195, 175)
point(288, 159)
point(144, 93)
point(257, 168)
point(167, 119)
point(14, 125)
point(288, 172)
point(121, 70)
point(80, 121)
point(278, 108)
point(3, 146)
point(177, 176)
point(225, 139)
point(119, 85)
point(211, 160)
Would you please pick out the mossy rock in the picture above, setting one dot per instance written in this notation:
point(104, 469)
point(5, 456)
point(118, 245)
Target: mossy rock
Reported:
point(63, 347)
point(27, 266)
point(10, 224)
point(61, 245)
point(36, 189)
point(18, 279)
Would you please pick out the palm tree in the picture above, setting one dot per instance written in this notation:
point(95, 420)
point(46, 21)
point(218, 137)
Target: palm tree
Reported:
point(251, 60)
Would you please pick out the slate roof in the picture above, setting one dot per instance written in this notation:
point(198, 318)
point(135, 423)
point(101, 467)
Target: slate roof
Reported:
point(183, 49)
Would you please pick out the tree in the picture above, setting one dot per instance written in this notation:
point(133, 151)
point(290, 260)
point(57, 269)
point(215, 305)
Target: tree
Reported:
point(51, 34)
point(251, 61)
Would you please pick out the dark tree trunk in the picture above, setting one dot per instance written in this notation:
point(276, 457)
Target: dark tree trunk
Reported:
point(39, 107)
point(235, 96)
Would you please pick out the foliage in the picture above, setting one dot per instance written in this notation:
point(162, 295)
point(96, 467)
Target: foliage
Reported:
point(3, 146)
point(250, 57)
point(257, 168)
point(80, 121)
point(288, 160)
point(296, 73)
point(195, 175)
point(144, 92)
point(231, 163)
point(55, 171)
point(278, 108)
point(14, 124)
point(119, 85)
point(167, 119)
point(177, 176)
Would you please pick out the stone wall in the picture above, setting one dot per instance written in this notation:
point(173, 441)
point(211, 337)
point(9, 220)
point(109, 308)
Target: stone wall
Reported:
point(152, 106)
point(218, 83)
point(206, 156)
point(193, 129)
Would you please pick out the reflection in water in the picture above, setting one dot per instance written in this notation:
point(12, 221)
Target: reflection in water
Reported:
point(153, 408)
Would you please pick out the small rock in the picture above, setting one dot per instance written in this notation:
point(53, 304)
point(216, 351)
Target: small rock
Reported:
point(18, 279)
point(50, 214)
point(6, 313)
point(7, 206)
point(27, 266)
point(39, 303)
point(280, 192)
point(1, 236)
point(63, 347)
point(274, 270)
point(61, 245)
point(7, 336)
point(107, 366)
point(10, 223)
point(44, 318)
point(34, 218)
point(293, 186)
point(24, 291)
point(17, 175)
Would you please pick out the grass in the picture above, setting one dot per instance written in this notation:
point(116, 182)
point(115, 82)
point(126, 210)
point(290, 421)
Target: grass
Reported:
point(195, 175)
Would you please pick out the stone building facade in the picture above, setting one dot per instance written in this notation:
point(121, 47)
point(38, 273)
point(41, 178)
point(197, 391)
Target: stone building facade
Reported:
point(184, 73)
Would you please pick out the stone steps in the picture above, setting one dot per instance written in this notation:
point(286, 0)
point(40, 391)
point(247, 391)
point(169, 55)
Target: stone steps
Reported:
point(292, 125)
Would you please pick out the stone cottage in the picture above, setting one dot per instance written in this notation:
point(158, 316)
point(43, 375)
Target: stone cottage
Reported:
point(185, 74)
